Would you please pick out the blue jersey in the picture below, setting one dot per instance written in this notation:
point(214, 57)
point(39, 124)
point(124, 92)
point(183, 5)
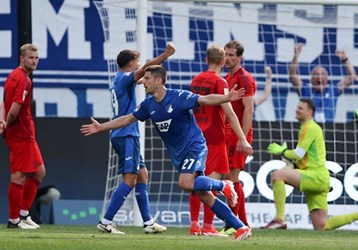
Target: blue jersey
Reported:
point(124, 102)
point(325, 101)
point(174, 120)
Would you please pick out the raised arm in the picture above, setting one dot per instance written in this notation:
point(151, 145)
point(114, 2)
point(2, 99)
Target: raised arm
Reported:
point(216, 99)
point(350, 72)
point(268, 87)
point(243, 146)
point(292, 70)
point(96, 127)
point(170, 50)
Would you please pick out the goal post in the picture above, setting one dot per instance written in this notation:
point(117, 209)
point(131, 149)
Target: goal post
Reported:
point(268, 30)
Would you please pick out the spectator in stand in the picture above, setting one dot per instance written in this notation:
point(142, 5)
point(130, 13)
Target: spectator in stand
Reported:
point(324, 96)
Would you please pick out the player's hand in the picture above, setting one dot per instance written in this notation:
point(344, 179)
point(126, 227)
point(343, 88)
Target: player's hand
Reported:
point(268, 71)
point(244, 147)
point(2, 127)
point(89, 129)
point(170, 50)
point(235, 94)
point(341, 54)
point(298, 48)
point(276, 149)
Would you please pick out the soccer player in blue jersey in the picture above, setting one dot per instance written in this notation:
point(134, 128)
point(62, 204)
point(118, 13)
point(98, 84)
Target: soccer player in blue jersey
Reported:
point(324, 96)
point(125, 142)
point(171, 112)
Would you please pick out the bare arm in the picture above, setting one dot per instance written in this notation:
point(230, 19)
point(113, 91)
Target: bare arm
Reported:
point(216, 99)
point(243, 146)
point(96, 127)
point(350, 72)
point(170, 50)
point(13, 113)
point(292, 70)
point(248, 103)
point(268, 87)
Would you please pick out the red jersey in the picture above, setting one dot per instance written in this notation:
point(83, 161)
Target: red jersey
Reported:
point(18, 88)
point(211, 119)
point(242, 79)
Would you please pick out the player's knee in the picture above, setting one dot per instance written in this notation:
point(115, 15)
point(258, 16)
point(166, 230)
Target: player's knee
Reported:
point(186, 186)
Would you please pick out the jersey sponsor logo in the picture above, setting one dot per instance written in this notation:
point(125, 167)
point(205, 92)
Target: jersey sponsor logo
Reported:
point(128, 158)
point(152, 112)
point(164, 125)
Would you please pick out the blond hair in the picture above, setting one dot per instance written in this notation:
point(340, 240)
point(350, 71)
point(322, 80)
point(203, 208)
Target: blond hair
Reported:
point(215, 54)
point(26, 47)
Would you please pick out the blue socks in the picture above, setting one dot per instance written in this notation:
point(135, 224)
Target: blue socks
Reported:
point(204, 183)
point(117, 200)
point(224, 213)
point(141, 194)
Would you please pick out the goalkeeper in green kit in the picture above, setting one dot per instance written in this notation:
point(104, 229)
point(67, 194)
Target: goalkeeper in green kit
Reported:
point(309, 174)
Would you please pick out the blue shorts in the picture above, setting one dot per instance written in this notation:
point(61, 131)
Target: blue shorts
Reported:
point(128, 150)
point(193, 162)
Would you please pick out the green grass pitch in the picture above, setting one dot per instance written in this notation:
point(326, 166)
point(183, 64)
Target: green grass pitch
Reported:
point(52, 237)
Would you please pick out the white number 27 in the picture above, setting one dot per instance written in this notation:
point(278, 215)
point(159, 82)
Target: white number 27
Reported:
point(188, 163)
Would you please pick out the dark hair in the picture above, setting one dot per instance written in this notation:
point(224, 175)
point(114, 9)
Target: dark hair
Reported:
point(235, 45)
point(157, 71)
point(125, 56)
point(310, 104)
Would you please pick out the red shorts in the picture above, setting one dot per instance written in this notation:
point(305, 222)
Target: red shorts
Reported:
point(25, 156)
point(217, 159)
point(236, 159)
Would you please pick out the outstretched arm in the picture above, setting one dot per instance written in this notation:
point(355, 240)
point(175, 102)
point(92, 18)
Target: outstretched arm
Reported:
point(243, 146)
point(292, 70)
point(170, 50)
point(268, 87)
point(350, 72)
point(216, 99)
point(96, 127)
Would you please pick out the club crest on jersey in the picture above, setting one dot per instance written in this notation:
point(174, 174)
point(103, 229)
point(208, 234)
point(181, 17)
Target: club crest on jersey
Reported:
point(169, 109)
point(163, 126)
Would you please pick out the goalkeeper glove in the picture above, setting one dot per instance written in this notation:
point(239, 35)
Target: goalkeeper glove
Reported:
point(276, 149)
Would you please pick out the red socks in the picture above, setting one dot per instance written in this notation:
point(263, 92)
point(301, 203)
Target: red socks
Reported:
point(30, 190)
point(14, 195)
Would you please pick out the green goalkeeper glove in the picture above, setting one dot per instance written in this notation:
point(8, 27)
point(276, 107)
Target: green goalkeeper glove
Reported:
point(276, 149)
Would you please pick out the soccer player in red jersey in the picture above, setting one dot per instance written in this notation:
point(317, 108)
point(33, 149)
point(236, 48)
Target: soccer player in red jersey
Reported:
point(26, 165)
point(244, 109)
point(211, 120)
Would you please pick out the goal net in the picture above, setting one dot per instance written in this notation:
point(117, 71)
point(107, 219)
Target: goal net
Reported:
point(269, 33)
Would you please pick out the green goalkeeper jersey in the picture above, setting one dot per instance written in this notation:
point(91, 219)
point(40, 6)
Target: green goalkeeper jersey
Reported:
point(310, 138)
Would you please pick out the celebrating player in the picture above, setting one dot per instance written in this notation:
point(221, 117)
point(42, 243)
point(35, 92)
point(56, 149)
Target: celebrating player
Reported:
point(171, 112)
point(310, 175)
point(26, 164)
point(211, 120)
point(125, 142)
